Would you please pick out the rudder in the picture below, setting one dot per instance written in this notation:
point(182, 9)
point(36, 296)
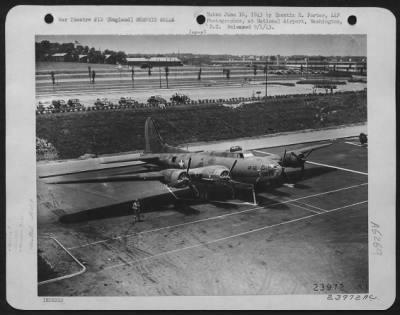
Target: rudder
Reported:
point(153, 141)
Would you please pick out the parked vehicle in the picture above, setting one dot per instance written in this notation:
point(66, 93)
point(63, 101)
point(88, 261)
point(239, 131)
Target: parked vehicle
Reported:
point(180, 98)
point(58, 106)
point(127, 101)
point(103, 103)
point(44, 106)
point(74, 104)
point(156, 100)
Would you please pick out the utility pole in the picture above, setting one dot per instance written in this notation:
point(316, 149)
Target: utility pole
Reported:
point(159, 71)
point(266, 78)
point(306, 68)
point(166, 74)
point(133, 77)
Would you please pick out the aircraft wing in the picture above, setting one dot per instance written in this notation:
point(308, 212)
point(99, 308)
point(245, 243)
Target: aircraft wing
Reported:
point(102, 199)
point(147, 158)
point(104, 179)
point(72, 187)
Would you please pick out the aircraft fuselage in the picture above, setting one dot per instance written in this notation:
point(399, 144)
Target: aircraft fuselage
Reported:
point(250, 170)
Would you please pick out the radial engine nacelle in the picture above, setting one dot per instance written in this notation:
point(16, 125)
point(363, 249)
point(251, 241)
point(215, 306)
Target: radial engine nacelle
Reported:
point(175, 178)
point(293, 160)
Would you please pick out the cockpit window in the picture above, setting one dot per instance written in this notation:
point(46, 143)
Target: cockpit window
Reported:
point(240, 155)
point(247, 154)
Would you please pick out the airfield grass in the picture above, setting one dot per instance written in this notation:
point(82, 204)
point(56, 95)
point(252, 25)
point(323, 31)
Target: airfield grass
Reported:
point(113, 131)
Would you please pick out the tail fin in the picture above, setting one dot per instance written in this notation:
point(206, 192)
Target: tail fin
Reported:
point(154, 143)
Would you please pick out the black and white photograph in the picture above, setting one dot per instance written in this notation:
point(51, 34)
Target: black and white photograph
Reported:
point(236, 163)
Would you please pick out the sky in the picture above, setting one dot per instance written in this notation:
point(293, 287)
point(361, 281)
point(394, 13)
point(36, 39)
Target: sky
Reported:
point(285, 45)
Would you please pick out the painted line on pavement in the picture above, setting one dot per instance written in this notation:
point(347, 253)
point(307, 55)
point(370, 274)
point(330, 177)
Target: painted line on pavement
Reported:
point(83, 268)
point(263, 152)
point(232, 236)
point(218, 217)
point(352, 143)
point(308, 205)
point(338, 168)
point(298, 206)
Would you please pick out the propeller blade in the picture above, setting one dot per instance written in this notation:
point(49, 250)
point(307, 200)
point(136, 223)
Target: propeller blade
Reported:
point(188, 167)
point(284, 156)
point(194, 188)
point(232, 167)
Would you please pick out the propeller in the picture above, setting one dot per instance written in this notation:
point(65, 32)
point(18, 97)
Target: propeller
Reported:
point(287, 161)
point(189, 180)
point(188, 167)
point(232, 167)
point(230, 179)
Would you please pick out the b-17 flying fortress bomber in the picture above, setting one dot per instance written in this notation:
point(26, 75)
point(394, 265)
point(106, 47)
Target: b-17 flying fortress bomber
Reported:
point(181, 168)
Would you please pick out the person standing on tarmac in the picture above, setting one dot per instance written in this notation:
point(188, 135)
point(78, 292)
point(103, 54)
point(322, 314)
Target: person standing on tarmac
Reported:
point(137, 209)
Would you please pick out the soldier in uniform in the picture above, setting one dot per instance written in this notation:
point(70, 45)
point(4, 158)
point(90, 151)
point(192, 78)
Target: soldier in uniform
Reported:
point(137, 209)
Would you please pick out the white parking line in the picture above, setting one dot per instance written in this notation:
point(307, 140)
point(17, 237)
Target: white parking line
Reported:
point(263, 152)
point(83, 268)
point(352, 143)
point(233, 236)
point(219, 216)
point(298, 206)
point(308, 205)
point(337, 167)
point(347, 206)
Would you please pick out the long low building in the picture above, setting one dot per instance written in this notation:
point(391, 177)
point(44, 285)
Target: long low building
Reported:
point(153, 61)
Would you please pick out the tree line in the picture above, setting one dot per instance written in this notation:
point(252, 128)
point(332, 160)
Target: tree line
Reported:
point(45, 49)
